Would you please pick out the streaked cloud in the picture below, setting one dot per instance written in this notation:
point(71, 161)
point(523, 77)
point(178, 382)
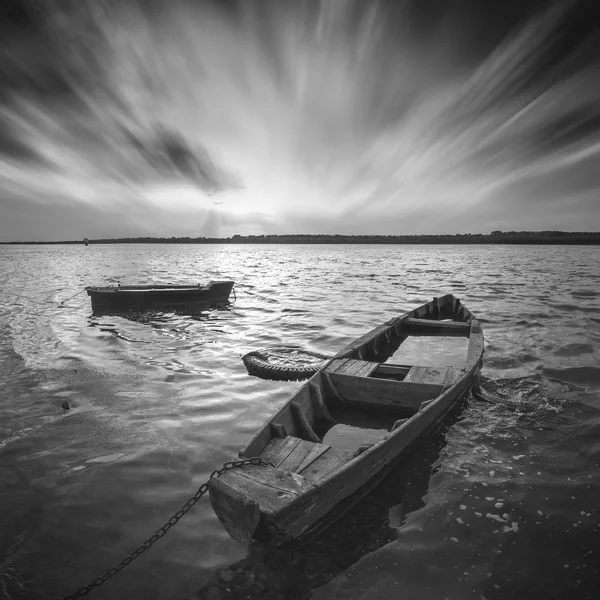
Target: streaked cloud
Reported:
point(249, 117)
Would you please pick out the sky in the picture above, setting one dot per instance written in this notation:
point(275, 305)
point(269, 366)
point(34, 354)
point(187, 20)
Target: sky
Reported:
point(123, 118)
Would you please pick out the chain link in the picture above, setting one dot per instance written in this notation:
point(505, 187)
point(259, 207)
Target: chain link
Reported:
point(232, 464)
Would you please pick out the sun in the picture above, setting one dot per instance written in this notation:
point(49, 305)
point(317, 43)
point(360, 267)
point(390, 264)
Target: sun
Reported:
point(177, 197)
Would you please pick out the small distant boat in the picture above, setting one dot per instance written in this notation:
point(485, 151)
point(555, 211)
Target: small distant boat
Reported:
point(152, 297)
point(343, 430)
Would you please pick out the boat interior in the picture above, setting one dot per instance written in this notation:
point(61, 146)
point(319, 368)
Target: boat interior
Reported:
point(362, 396)
point(148, 288)
point(158, 287)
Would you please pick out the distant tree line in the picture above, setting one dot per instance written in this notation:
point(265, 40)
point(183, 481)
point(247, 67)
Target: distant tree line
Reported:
point(495, 237)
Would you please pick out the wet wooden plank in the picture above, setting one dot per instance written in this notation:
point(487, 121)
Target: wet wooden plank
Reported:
point(384, 392)
point(292, 454)
point(327, 463)
point(351, 366)
point(347, 366)
point(366, 369)
point(355, 367)
point(296, 457)
point(278, 449)
point(315, 452)
point(335, 364)
point(270, 488)
point(238, 513)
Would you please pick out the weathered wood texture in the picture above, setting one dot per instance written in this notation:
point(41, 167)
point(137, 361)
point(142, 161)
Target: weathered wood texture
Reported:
point(292, 452)
point(384, 392)
point(313, 460)
point(271, 488)
point(313, 480)
point(238, 513)
point(308, 399)
point(329, 462)
point(351, 366)
point(352, 479)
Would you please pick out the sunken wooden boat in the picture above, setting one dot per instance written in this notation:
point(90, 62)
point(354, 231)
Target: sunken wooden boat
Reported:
point(319, 472)
point(158, 297)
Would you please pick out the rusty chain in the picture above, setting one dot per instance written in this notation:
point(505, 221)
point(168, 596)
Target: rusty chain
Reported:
point(232, 464)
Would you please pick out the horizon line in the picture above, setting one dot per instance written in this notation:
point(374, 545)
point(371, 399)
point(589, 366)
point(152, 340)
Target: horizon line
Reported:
point(496, 235)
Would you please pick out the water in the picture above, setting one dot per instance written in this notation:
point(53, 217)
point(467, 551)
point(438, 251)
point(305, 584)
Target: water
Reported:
point(501, 503)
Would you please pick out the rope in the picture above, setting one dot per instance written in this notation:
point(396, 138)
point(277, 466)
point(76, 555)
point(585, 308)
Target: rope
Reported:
point(170, 523)
point(77, 294)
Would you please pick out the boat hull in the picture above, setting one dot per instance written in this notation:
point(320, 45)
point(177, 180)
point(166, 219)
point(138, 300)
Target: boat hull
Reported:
point(338, 495)
point(126, 298)
point(315, 477)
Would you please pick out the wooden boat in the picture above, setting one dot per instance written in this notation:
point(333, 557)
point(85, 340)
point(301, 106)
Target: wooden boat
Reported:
point(319, 471)
point(148, 297)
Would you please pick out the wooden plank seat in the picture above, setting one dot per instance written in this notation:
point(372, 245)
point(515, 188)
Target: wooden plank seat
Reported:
point(361, 368)
point(351, 366)
point(311, 459)
point(358, 382)
point(291, 453)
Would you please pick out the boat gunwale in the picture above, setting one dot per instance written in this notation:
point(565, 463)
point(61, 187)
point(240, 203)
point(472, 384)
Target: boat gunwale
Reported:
point(158, 288)
point(440, 406)
point(125, 290)
point(369, 336)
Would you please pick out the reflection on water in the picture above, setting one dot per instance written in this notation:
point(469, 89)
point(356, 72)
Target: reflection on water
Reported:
point(181, 324)
point(154, 409)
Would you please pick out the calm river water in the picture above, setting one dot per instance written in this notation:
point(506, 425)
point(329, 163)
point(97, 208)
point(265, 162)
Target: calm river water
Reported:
point(502, 503)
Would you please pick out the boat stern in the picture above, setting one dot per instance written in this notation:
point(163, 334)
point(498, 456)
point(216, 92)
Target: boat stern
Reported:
point(262, 503)
point(220, 290)
point(237, 512)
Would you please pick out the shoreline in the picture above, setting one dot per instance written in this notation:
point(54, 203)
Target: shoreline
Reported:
point(511, 237)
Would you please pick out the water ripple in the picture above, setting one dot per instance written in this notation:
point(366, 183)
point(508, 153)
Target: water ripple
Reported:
point(158, 401)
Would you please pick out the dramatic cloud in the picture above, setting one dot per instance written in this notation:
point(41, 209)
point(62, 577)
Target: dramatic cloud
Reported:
point(214, 118)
